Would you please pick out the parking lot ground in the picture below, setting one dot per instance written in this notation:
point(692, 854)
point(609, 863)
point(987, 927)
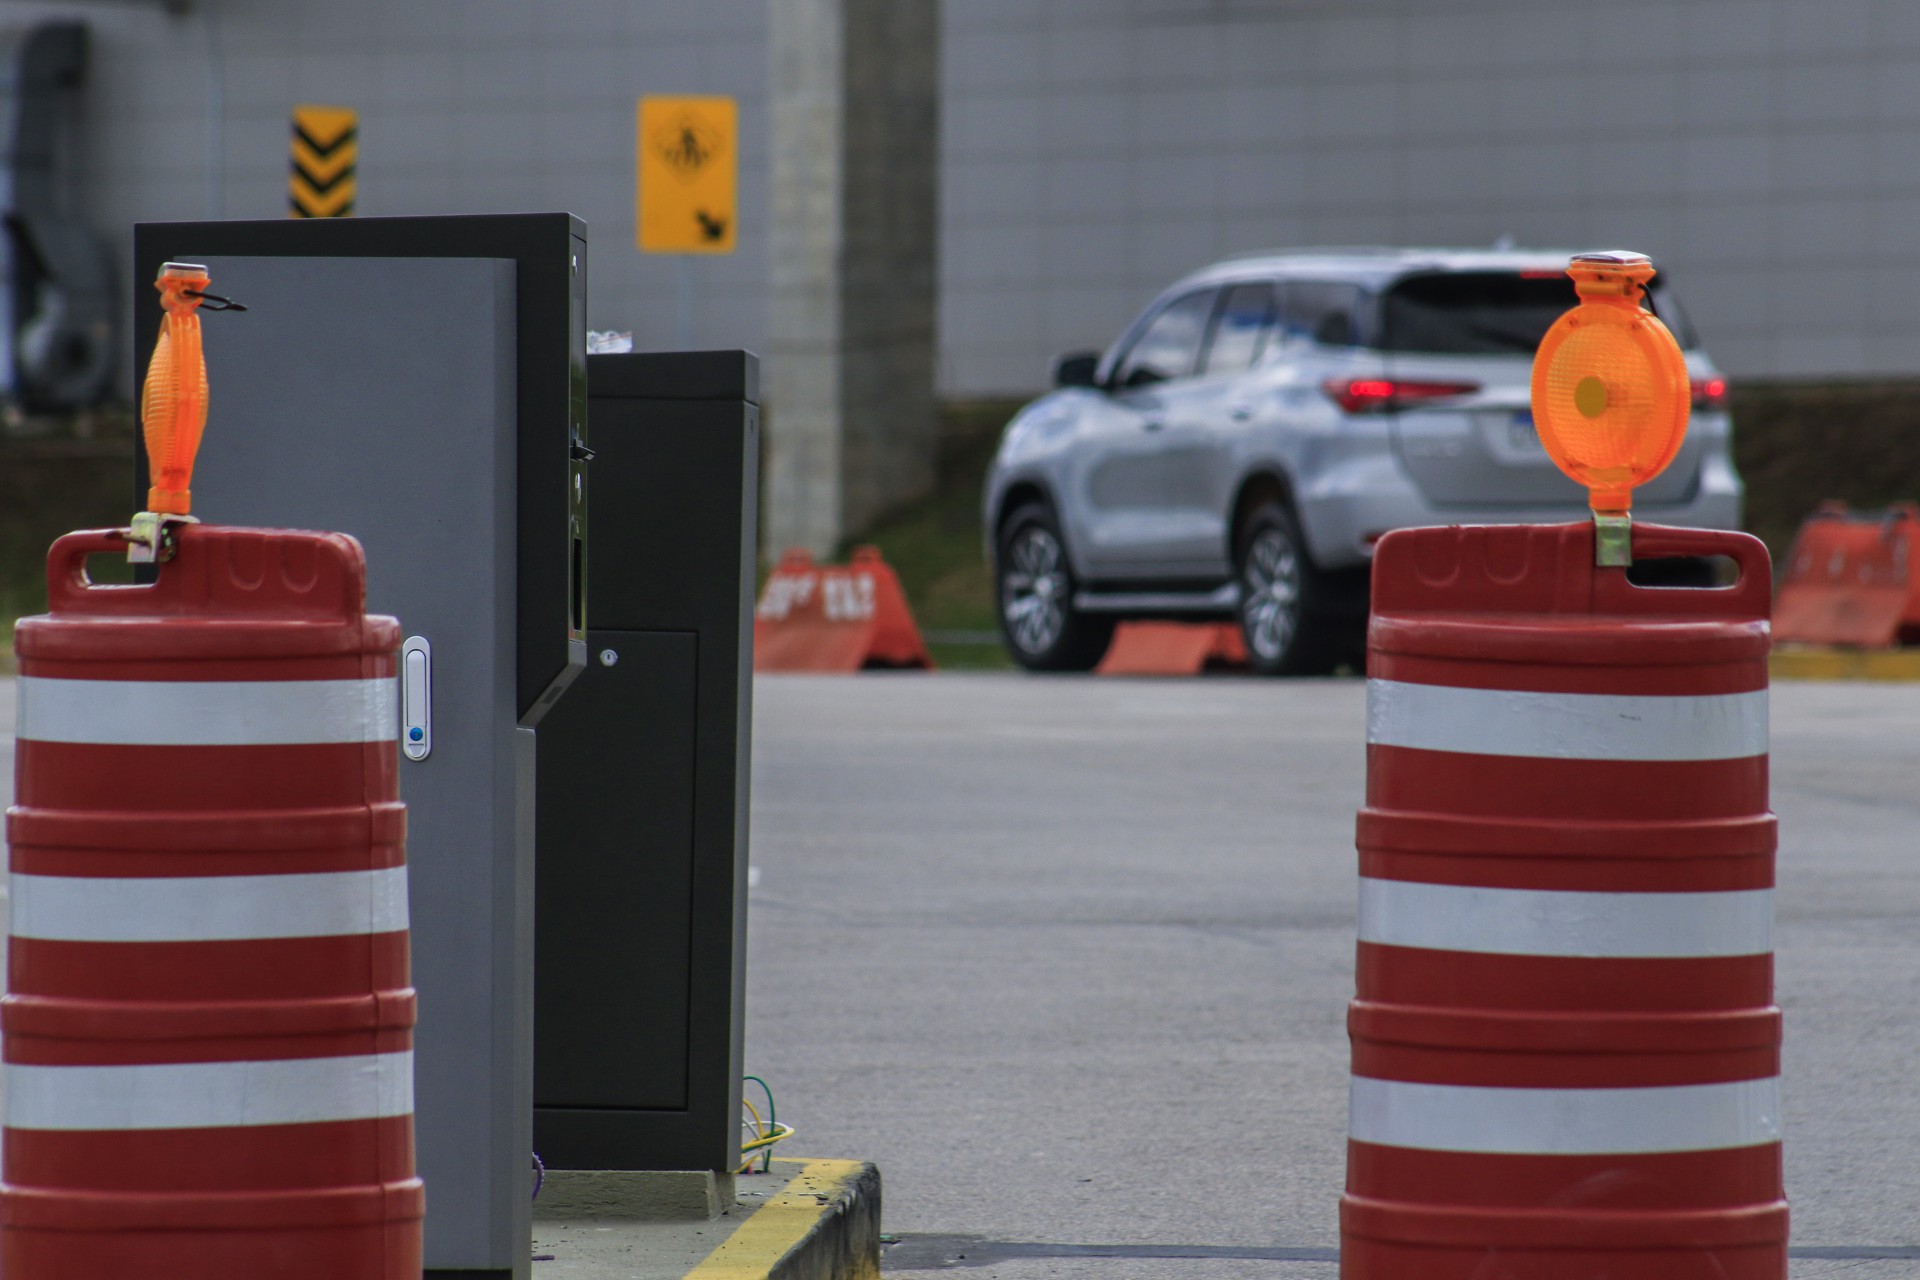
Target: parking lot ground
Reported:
point(1069, 959)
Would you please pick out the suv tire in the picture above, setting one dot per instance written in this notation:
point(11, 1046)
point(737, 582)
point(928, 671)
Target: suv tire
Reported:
point(1283, 597)
point(1033, 597)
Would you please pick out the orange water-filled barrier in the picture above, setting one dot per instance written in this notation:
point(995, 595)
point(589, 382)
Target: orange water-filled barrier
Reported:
point(1173, 649)
point(853, 617)
point(1849, 579)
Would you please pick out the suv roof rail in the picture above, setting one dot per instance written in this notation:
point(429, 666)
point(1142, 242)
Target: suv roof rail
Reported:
point(1316, 251)
point(1399, 253)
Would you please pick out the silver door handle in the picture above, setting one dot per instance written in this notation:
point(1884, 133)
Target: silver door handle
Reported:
point(1240, 412)
point(416, 698)
point(1153, 424)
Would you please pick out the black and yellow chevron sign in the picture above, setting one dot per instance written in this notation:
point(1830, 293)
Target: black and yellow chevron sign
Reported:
point(326, 151)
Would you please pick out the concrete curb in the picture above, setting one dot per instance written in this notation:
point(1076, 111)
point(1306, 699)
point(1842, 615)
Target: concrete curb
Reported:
point(639, 1194)
point(1795, 663)
point(823, 1225)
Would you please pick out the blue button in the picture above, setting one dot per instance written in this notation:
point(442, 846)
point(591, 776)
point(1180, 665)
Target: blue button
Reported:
point(416, 733)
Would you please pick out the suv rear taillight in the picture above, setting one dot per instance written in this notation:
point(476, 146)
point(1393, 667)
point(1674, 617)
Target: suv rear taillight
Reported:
point(1709, 393)
point(1385, 395)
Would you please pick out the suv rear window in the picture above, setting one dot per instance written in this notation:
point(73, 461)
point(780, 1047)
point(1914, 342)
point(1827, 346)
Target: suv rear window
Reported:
point(1476, 313)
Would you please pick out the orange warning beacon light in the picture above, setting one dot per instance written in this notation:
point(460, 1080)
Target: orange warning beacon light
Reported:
point(1610, 393)
point(173, 404)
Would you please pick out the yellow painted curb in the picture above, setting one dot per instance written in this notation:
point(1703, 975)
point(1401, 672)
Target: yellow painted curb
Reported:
point(1844, 664)
point(823, 1194)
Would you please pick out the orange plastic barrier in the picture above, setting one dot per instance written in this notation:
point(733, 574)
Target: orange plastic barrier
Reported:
point(1566, 1051)
point(208, 1030)
point(815, 617)
point(1849, 579)
point(1173, 649)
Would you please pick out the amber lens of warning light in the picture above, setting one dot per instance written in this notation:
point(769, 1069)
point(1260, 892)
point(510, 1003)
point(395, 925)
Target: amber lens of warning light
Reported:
point(1610, 392)
point(173, 403)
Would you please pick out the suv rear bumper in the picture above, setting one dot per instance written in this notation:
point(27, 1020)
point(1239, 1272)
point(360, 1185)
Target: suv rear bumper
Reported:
point(1343, 522)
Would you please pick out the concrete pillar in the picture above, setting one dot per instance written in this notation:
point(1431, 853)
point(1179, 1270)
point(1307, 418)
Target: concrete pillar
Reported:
point(850, 359)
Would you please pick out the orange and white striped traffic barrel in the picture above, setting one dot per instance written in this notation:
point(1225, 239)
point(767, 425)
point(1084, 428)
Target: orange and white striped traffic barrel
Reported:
point(1566, 1054)
point(208, 1023)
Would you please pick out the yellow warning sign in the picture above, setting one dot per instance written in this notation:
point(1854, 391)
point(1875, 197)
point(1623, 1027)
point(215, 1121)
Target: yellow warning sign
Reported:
point(326, 156)
point(688, 162)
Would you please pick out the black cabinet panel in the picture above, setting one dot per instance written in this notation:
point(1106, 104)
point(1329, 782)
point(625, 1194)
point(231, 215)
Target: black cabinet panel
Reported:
point(613, 891)
point(640, 946)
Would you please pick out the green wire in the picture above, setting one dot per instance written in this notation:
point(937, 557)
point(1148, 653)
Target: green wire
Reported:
point(766, 1161)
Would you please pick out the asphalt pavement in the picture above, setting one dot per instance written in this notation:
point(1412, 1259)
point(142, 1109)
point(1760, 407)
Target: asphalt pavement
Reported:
point(1069, 959)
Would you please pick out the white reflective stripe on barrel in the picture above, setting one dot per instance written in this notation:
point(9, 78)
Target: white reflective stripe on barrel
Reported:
point(208, 908)
point(206, 713)
point(1564, 1122)
point(1567, 726)
point(1543, 922)
point(209, 1095)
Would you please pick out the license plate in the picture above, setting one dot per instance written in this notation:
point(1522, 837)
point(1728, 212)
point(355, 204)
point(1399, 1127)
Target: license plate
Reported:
point(1520, 431)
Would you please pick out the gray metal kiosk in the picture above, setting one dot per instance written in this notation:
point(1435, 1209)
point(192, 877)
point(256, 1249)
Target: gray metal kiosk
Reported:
point(640, 953)
point(420, 383)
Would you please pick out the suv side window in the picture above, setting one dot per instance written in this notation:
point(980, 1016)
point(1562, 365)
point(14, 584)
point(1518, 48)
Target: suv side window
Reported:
point(1241, 328)
point(1662, 303)
point(1170, 344)
point(1327, 312)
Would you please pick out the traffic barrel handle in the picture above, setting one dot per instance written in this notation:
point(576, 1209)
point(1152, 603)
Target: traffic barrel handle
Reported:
point(67, 560)
point(1752, 590)
point(315, 575)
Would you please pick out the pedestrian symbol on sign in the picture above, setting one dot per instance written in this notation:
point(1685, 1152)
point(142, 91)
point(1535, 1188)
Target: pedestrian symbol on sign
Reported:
point(687, 145)
point(688, 154)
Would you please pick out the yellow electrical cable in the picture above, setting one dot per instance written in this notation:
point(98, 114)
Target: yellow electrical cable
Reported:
point(759, 1132)
point(764, 1136)
point(780, 1131)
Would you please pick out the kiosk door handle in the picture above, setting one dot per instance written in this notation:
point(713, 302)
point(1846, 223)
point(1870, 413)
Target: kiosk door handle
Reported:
point(416, 698)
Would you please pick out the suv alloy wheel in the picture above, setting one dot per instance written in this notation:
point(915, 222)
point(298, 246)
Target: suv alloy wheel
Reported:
point(1280, 591)
point(1033, 593)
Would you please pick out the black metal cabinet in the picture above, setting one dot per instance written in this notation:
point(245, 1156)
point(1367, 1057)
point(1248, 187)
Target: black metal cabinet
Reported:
point(640, 896)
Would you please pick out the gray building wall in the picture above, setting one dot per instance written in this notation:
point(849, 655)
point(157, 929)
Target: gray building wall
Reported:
point(466, 106)
point(1765, 152)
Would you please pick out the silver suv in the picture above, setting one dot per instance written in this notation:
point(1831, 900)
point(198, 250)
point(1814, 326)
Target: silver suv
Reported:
point(1238, 452)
